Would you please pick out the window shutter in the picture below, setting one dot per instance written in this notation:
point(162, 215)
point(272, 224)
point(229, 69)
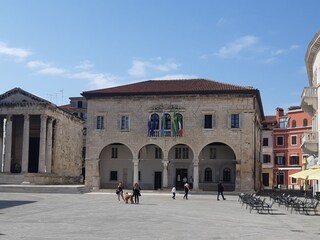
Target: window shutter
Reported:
point(229, 121)
point(119, 122)
point(240, 120)
point(204, 121)
point(95, 122)
point(213, 120)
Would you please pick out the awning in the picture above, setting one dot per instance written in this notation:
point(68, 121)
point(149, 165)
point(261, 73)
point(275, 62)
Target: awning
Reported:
point(315, 175)
point(307, 173)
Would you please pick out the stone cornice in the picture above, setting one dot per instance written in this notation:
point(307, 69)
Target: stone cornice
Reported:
point(312, 51)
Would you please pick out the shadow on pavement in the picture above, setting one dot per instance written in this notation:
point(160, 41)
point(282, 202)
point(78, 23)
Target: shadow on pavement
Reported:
point(13, 203)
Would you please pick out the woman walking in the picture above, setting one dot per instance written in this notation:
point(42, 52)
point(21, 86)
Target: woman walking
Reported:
point(136, 193)
point(119, 191)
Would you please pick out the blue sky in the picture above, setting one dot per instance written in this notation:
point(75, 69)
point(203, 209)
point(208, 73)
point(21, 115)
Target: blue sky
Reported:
point(57, 49)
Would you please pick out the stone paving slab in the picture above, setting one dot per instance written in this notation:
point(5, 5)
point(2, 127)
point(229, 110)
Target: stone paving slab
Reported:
point(98, 215)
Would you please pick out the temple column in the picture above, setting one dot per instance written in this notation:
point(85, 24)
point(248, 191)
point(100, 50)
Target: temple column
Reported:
point(1, 144)
point(49, 146)
point(42, 147)
point(8, 145)
point(196, 174)
point(25, 143)
point(165, 163)
point(135, 171)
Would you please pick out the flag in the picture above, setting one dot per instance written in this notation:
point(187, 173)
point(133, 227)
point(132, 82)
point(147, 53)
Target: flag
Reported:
point(179, 119)
point(152, 125)
point(149, 127)
point(162, 124)
point(174, 125)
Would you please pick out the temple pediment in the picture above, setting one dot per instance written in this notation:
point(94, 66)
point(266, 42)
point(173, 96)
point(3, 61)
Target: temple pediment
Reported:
point(19, 96)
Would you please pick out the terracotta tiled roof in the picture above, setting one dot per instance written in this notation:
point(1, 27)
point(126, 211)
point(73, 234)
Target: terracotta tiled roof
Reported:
point(169, 87)
point(270, 119)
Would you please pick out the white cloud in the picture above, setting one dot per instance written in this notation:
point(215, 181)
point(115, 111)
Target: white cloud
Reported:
point(45, 68)
point(175, 77)
point(140, 68)
point(19, 53)
point(294, 46)
point(96, 80)
point(233, 49)
point(85, 65)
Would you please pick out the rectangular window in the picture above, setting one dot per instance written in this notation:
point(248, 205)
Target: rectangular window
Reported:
point(283, 122)
point(235, 121)
point(113, 176)
point(279, 141)
point(294, 160)
point(157, 153)
point(280, 160)
point(208, 121)
point(294, 140)
point(139, 176)
point(182, 153)
point(265, 142)
point(213, 153)
point(293, 181)
point(280, 178)
point(79, 104)
point(266, 158)
point(124, 122)
point(100, 122)
point(114, 152)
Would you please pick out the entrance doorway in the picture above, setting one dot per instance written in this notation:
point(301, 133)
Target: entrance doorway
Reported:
point(157, 180)
point(265, 179)
point(181, 177)
point(33, 164)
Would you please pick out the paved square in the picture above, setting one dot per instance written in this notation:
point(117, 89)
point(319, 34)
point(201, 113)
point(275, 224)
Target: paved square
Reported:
point(99, 216)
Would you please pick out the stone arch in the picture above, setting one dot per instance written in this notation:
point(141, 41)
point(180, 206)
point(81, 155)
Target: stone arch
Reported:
point(180, 169)
point(150, 166)
point(116, 166)
point(217, 156)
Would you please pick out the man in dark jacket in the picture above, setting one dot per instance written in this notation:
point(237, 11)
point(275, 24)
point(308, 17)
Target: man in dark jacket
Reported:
point(220, 191)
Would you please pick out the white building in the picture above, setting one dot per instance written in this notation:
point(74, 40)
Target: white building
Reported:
point(310, 100)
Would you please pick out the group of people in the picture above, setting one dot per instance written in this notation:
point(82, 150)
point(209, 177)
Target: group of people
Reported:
point(186, 188)
point(134, 195)
point(136, 192)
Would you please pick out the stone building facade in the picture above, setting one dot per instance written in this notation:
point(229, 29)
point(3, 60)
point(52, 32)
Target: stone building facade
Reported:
point(40, 143)
point(163, 133)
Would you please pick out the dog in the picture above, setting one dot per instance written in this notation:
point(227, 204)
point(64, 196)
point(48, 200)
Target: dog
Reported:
point(127, 197)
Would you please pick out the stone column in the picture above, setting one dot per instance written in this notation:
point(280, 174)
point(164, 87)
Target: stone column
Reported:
point(238, 176)
point(92, 180)
point(25, 143)
point(196, 174)
point(49, 146)
point(1, 143)
point(42, 147)
point(135, 171)
point(165, 163)
point(8, 145)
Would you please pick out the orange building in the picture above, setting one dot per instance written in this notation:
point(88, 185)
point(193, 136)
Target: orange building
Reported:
point(288, 155)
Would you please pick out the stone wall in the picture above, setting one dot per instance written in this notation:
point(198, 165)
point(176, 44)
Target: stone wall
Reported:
point(245, 142)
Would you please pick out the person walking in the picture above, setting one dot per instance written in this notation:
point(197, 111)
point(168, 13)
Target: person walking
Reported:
point(173, 190)
point(136, 193)
point(186, 190)
point(119, 191)
point(220, 191)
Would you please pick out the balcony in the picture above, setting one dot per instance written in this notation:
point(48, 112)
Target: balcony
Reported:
point(309, 100)
point(309, 142)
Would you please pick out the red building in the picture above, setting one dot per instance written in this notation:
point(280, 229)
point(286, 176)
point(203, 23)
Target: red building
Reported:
point(288, 155)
